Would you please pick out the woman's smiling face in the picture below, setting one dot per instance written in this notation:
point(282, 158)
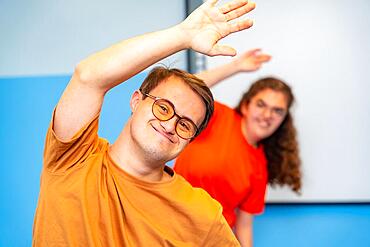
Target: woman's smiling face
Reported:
point(263, 115)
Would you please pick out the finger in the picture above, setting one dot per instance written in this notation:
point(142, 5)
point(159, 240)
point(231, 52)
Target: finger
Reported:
point(252, 52)
point(264, 58)
point(232, 5)
point(240, 25)
point(240, 11)
point(222, 50)
point(211, 2)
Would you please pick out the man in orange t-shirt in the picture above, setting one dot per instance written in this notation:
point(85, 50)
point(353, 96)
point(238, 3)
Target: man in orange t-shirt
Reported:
point(96, 194)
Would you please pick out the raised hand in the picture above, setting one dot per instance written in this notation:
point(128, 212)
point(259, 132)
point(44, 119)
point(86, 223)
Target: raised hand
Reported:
point(208, 24)
point(251, 60)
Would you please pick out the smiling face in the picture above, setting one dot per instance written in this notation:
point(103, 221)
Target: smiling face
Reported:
point(156, 139)
point(263, 115)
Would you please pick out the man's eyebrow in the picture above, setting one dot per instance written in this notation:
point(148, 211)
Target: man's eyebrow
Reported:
point(182, 115)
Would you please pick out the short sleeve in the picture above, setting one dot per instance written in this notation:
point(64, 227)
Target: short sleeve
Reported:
point(254, 202)
point(60, 156)
point(221, 234)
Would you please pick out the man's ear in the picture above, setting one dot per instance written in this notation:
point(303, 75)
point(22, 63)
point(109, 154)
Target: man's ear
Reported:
point(135, 100)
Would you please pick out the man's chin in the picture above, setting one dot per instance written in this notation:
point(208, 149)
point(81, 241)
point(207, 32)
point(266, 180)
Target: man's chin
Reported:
point(161, 153)
point(168, 156)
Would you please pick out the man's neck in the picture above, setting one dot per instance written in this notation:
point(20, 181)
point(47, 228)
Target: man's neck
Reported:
point(125, 155)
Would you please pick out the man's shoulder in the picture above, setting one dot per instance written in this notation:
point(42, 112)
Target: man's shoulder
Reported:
point(207, 213)
point(197, 197)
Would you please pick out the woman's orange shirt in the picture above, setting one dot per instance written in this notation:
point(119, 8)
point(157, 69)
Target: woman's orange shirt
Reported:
point(222, 162)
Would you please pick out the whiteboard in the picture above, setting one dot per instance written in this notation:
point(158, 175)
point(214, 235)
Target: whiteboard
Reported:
point(322, 49)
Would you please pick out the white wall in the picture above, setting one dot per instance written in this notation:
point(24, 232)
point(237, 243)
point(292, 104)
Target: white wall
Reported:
point(322, 49)
point(50, 37)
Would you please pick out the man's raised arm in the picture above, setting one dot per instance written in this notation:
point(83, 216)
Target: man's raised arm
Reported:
point(100, 72)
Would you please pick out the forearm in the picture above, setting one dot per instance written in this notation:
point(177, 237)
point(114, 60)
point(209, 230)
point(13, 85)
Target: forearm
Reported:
point(244, 229)
point(215, 75)
point(249, 61)
point(123, 60)
point(245, 237)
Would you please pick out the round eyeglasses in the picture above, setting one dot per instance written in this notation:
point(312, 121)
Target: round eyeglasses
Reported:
point(164, 110)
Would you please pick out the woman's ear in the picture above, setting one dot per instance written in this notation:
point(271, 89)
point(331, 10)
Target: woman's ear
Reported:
point(135, 100)
point(244, 109)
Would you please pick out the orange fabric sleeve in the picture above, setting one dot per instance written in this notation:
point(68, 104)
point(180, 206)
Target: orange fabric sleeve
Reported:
point(221, 234)
point(60, 156)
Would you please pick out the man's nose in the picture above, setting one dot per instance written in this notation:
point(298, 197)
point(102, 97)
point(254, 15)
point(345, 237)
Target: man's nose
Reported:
point(170, 125)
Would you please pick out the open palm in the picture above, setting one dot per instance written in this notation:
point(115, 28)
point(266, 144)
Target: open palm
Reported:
point(208, 24)
point(251, 60)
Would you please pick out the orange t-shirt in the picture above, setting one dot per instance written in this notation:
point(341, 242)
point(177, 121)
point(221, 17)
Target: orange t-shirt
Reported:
point(222, 162)
point(87, 200)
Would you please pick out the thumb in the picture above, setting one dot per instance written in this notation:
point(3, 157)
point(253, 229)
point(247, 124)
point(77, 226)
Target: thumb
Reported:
point(222, 50)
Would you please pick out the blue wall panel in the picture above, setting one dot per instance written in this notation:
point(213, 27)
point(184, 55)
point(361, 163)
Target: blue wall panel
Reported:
point(308, 225)
point(25, 107)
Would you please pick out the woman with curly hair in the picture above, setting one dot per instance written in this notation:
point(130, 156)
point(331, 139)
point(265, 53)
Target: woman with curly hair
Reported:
point(244, 149)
